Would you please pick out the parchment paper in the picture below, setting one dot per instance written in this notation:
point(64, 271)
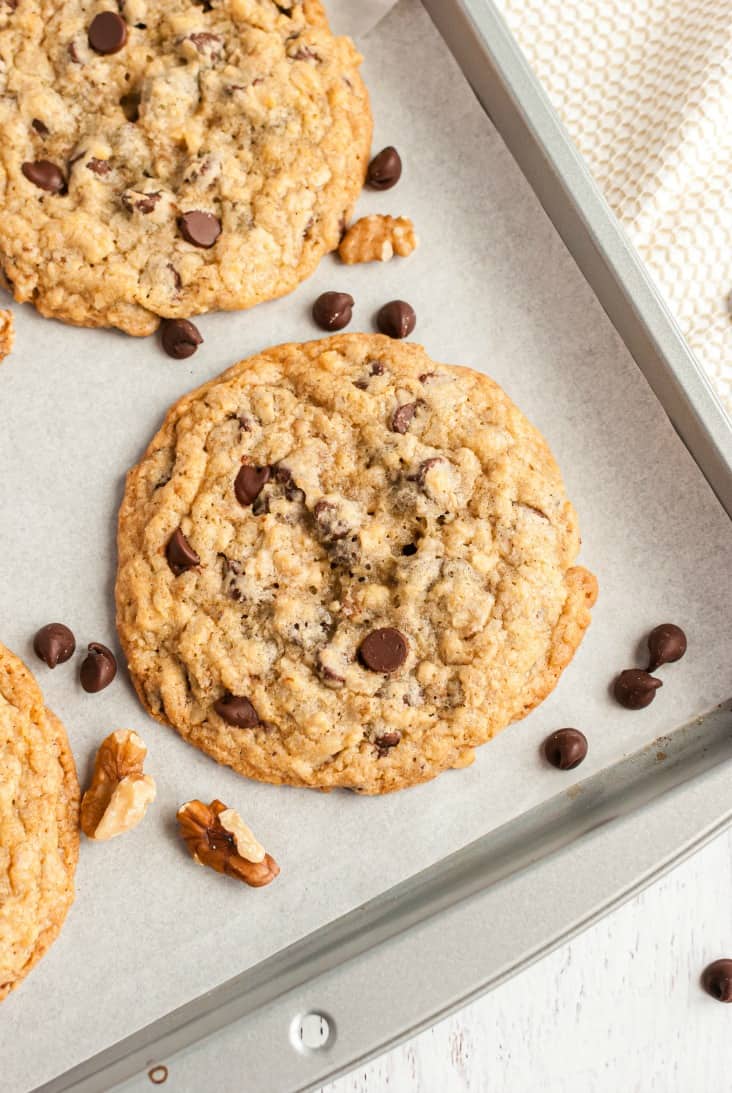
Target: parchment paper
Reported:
point(493, 288)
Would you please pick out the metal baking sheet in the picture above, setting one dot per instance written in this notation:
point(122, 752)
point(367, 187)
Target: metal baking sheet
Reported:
point(494, 287)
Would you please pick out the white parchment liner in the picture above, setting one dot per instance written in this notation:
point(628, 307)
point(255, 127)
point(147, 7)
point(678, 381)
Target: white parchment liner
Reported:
point(493, 288)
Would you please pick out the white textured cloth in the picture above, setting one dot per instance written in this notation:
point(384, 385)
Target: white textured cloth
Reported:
point(645, 89)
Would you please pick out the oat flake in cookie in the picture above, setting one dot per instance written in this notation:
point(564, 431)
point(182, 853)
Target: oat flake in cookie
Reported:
point(391, 589)
point(175, 158)
point(39, 823)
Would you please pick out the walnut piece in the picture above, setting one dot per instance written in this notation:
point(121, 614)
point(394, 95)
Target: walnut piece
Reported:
point(218, 837)
point(377, 239)
point(119, 793)
point(7, 333)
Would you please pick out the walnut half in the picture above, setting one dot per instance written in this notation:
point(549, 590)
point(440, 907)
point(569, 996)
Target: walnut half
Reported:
point(119, 793)
point(377, 238)
point(218, 837)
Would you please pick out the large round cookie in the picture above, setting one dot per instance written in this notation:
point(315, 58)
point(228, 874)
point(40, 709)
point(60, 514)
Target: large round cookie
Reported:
point(400, 495)
point(39, 823)
point(249, 111)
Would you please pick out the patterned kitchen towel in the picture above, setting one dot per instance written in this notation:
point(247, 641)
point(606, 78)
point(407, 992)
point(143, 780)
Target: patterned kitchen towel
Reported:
point(645, 89)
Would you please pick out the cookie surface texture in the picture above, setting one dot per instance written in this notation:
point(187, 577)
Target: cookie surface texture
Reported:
point(39, 823)
point(341, 564)
point(175, 158)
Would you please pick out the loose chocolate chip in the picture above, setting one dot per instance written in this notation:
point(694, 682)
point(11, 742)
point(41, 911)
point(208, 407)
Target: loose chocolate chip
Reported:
point(54, 644)
point(39, 127)
point(717, 980)
point(107, 32)
point(250, 482)
point(396, 319)
point(385, 169)
point(386, 741)
point(180, 338)
point(99, 167)
point(237, 711)
point(98, 668)
point(200, 228)
point(180, 554)
point(635, 689)
point(666, 644)
point(565, 748)
point(402, 417)
point(333, 310)
point(45, 175)
point(383, 650)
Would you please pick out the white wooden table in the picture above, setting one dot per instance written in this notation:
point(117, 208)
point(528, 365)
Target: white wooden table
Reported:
point(617, 1010)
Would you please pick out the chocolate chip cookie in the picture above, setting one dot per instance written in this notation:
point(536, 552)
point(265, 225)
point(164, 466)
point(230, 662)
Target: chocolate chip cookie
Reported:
point(162, 158)
point(341, 564)
point(39, 823)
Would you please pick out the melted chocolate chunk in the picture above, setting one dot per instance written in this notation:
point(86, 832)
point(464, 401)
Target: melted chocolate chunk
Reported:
point(237, 711)
point(202, 229)
point(180, 554)
point(249, 483)
point(107, 32)
point(383, 650)
point(45, 175)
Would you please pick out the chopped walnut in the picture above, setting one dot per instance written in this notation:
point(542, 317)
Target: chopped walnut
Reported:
point(7, 333)
point(218, 837)
point(377, 239)
point(119, 793)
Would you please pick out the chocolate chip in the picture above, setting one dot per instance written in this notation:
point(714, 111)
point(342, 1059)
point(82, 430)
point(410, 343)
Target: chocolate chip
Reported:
point(98, 668)
point(180, 338)
point(565, 748)
point(107, 32)
point(237, 711)
point(409, 550)
point(207, 43)
point(200, 228)
point(180, 554)
point(717, 980)
point(635, 689)
point(383, 650)
point(666, 644)
point(45, 175)
point(396, 319)
point(421, 472)
point(40, 128)
point(377, 368)
point(54, 644)
point(333, 310)
point(385, 169)
point(386, 742)
point(250, 482)
point(137, 200)
point(402, 417)
point(100, 167)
